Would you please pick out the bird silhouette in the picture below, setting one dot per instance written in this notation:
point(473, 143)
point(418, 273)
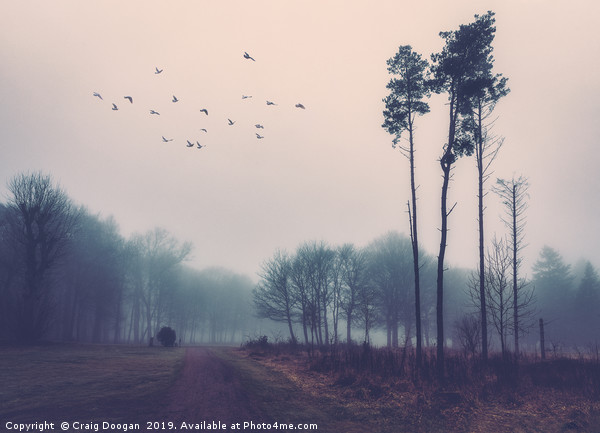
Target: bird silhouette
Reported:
point(199, 145)
point(98, 95)
point(166, 140)
point(175, 99)
point(271, 103)
point(300, 106)
point(259, 136)
point(129, 98)
point(189, 143)
point(247, 56)
point(203, 129)
point(259, 126)
point(246, 96)
point(154, 112)
point(205, 111)
point(158, 71)
point(231, 122)
point(114, 107)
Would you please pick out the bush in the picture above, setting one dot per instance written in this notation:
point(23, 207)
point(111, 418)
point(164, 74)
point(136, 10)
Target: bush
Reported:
point(166, 336)
point(261, 343)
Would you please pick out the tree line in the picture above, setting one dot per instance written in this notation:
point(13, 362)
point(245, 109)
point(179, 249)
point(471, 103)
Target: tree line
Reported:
point(322, 292)
point(67, 274)
point(325, 295)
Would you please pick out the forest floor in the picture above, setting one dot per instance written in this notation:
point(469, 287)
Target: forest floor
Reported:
point(229, 389)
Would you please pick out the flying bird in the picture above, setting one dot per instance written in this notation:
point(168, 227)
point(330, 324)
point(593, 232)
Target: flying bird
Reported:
point(246, 96)
point(231, 122)
point(154, 112)
point(300, 106)
point(189, 143)
point(175, 99)
point(271, 103)
point(259, 126)
point(205, 111)
point(114, 107)
point(129, 98)
point(98, 95)
point(203, 129)
point(247, 56)
point(157, 71)
point(199, 145)
point(166, 140)
point(259, 136)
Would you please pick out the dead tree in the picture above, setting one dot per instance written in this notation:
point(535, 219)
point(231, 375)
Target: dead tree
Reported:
point(487, 146)
point(513, 194)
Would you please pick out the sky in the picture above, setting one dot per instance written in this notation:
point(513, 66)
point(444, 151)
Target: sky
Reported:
point(327, 172)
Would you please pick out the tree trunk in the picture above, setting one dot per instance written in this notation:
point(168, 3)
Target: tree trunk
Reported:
point(349, 326)
point(480, 169)
point(440, 276)
point(542, 345)
point(515, 270)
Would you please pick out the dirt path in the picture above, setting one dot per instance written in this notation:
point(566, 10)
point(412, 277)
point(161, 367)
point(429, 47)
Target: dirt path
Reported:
point(209, 389)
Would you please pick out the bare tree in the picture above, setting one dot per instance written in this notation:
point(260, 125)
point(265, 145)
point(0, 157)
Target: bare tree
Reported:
point(514, 195)
point(468, 333)
point(487, 146)
point(159, 254)
point(41, 220)
point(355, 278)
point(391, 272)
point(498, 290)
point(367, 296)
point(273, 296)
point(312, 282)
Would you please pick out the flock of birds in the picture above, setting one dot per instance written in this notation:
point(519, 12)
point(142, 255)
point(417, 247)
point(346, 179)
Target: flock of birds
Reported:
point(196, 143)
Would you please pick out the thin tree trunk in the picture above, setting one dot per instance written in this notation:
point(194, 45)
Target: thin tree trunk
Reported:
point(349, 326)
point(480, 169)
point(446, 164)
point(415, 243)
point(515, 271)
point(542, 343)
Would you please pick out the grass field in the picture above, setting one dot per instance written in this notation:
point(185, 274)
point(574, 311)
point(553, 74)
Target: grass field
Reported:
point(93, 383)
point(58, 382)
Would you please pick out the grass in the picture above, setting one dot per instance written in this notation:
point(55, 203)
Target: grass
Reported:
point(62, 382)
point(284, 397)
point(95, 383)
point(545, 398)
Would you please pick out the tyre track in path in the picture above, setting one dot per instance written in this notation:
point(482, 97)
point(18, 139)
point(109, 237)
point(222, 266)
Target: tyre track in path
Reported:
point(209, 389)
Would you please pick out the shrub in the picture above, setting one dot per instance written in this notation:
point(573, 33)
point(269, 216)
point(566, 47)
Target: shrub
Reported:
point(166, 336)
point(261, 343)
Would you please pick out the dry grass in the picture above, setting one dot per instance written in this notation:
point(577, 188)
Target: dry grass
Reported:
point(122, 383)
point(395, 404)
point(85, 382)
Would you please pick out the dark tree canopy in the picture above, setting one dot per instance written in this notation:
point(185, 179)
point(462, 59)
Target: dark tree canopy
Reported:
point(463, 69)
point(166, 336)
point(407, 91)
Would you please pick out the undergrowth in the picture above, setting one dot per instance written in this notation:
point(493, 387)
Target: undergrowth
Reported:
point(351, 364)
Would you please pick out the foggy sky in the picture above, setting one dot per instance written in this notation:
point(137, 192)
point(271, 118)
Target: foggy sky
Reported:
point(325, 173)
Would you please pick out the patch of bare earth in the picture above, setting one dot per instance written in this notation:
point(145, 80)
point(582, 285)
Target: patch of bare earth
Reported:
point(208, 390)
